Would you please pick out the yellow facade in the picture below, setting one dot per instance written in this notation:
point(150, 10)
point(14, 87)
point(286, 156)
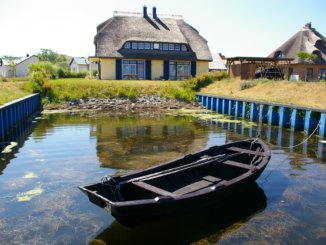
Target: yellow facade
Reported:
point(157, 69)
point(202, 67)
point(108, 69)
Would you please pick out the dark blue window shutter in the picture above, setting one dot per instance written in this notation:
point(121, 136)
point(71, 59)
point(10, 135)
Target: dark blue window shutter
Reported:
point(118, 69)
point(148, 69)
point(193, 69)
point(166, 69)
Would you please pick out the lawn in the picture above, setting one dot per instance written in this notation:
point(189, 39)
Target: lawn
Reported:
point(308, 94)
point(11, 90)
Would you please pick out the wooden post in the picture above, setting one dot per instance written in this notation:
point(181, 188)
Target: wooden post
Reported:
point(322, 125)
point(243, 110)
point(307, 122)
point(293, 119)
point(281, 118)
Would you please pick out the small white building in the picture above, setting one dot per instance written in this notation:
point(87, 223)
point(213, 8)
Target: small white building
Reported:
point(19, 69)
point(6, 70)
point(79, 64)
point(22, 67)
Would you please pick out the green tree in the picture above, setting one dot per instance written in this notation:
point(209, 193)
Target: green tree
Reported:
point(47, 55)
point(305, 56)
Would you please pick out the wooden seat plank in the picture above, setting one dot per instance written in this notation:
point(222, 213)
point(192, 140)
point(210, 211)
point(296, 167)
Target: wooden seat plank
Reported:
point(153, 189)
point(238, 149)
point(239, 165)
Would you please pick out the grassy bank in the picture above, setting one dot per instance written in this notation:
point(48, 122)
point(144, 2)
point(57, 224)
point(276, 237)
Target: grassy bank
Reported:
point(61, 90)
point(11, 91)
point(310, 94)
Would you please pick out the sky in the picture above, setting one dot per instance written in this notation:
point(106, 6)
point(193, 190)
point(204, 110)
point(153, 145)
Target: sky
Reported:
point(231, 27)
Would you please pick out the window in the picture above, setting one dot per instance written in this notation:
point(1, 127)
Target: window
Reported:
point(134, 45)
point(147, 46)
point(165, 46)
point(127, 45)
point(177, 47)
point(310, 73)
point(279, 54)
point(156, 46)
point(133, 69)
point(141, 45)
point(322, 74)
point(179, 70)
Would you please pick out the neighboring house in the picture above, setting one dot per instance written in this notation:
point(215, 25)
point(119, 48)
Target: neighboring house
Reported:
point(22, 67)
point(19, 69)
point(79, 64)
point(149, 46)
point(6, 70)
point(310, 41)
point(217, 64)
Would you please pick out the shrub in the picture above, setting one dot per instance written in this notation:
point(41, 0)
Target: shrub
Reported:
point(220, 75)
point(41, 72)
point(3, 79)
point(94, 73)
point(247, 84)
point(199, 82)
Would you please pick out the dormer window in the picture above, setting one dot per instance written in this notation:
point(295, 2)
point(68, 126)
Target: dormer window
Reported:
point(155, 46)
point(279, 54)
point(127, 45)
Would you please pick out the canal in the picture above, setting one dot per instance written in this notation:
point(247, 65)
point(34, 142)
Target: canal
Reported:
point(54, 154)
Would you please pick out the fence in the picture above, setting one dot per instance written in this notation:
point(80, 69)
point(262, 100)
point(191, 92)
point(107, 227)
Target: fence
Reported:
point(288, 116)
point(17, 111)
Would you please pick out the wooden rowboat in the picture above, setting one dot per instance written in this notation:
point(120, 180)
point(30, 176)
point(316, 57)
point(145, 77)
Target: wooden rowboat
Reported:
point(192, 182)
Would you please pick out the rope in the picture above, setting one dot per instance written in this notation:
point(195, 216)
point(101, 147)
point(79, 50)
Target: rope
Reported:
point(302, 142)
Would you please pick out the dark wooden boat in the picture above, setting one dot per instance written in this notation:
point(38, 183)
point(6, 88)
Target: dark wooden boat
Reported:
point(188, 183)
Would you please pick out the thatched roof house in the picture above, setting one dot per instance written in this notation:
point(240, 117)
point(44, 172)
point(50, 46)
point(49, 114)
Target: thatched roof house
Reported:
point(149, 46)
point(308, 40)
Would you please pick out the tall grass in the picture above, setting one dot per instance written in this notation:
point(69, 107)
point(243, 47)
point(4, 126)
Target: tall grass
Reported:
point(61, 90)
point(11, 91)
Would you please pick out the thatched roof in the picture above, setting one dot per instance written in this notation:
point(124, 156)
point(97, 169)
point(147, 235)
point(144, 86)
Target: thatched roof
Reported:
point(217, 63)
point(307, 40)
point(122, 27)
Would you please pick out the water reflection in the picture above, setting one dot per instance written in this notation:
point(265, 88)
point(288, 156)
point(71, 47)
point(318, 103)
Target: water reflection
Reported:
point(208, 225)
point(65, 151)
point(142, 142)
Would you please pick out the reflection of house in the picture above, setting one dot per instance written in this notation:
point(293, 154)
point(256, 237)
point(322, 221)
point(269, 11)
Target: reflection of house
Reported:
point(310, 41)
point(149, 46)
point(139, 144)
point(217, 64)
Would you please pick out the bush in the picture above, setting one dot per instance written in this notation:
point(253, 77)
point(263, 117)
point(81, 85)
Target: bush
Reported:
point(63, 73)
point(198, 82)
point(219, 75)
point(41, 72)
point(247, 84)
point(3, 79)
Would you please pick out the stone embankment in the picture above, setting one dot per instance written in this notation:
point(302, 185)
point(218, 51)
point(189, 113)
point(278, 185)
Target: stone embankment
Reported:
point(128, 105)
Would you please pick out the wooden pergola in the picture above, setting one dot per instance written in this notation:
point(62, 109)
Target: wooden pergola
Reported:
point(241, 67)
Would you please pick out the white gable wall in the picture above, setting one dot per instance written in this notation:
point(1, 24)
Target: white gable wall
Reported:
point(22, 67)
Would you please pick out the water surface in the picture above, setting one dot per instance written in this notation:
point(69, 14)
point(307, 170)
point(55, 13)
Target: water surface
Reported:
point(41, 204)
